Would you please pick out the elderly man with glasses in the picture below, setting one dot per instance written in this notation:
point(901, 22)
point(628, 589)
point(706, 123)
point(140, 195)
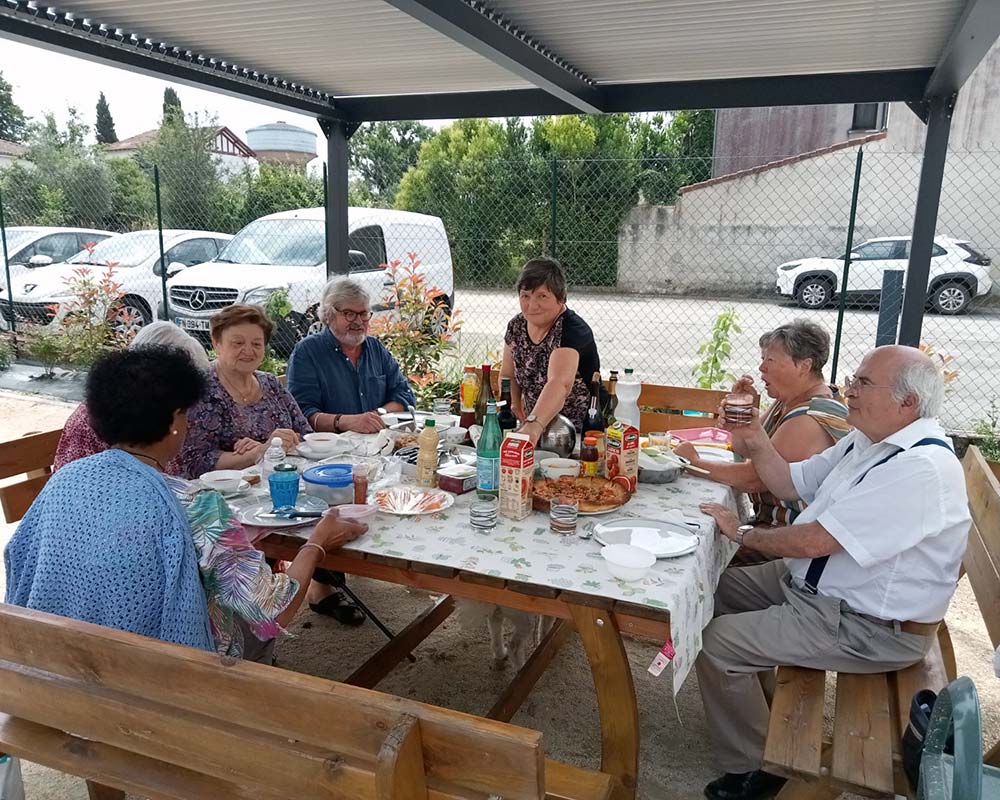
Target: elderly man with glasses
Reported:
point(865, 573)
point(341, 375)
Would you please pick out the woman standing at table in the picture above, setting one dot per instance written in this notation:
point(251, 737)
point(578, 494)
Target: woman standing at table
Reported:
point(243, 409)
point(549, 352)
point(108, 541)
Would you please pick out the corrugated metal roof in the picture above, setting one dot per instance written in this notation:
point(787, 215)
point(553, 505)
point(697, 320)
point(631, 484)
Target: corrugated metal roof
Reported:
point(367, 47)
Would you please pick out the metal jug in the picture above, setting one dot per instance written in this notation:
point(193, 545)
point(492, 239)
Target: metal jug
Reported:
point(559, 437)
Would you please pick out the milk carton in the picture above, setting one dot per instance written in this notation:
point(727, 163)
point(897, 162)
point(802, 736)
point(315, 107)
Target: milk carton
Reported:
point(623, 454)
point(517, 476)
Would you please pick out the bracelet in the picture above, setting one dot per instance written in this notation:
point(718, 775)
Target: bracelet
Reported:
point(336, 422)
point(317, 546)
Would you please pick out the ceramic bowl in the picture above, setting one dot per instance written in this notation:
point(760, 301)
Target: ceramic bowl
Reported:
point(454, 436)
point(321, 443)
point(222, 480)
point(627, 562)
point(554, 468)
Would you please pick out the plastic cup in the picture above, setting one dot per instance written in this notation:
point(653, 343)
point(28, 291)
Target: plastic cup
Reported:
point(483, 513)
point(284, 486)
point(441, 405)
point(737, 409)
point(562, 516)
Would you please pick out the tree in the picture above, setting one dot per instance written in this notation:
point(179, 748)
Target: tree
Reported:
point(172, 105)
point(13, 123)
point(105, 127)
point(381, 152)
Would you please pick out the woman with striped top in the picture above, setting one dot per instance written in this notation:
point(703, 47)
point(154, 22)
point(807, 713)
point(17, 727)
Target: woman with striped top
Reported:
point(806, 417)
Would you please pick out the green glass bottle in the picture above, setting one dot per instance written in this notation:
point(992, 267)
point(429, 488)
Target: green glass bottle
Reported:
point(488, 455)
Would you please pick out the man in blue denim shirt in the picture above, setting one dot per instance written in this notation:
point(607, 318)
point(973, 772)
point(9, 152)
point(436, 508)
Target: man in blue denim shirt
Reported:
point(341, 375)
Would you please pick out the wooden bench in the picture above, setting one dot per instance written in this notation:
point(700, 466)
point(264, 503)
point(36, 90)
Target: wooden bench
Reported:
point(30, 456)
point(669, 404)
point(871, 712)
point(133, 714)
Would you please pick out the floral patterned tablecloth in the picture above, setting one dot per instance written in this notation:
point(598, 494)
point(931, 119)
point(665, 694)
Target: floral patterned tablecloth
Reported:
point(526, 551)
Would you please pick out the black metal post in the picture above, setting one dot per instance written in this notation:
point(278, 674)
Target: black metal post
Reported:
point(847, 264)
point(889, 304)
point(159, 232)
point(925, 217)
point(6, 264)
point(326, 204)
point(553, 205)
point(337, 134)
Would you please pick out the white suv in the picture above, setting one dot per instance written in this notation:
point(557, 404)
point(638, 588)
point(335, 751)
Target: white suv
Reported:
point(287, 251)
point(959, 273)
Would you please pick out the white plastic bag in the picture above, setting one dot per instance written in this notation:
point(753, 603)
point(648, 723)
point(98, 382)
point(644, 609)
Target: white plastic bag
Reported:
point(11, 785)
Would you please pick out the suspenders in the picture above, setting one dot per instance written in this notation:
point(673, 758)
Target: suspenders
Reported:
point(817, 565)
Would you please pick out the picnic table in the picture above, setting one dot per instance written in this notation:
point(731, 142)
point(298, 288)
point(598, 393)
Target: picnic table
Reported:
point(521, 565)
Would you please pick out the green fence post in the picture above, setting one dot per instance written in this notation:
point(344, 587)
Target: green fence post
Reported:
point(553, 204)
point(6, 264)
point(159, 231)
point(847, 265)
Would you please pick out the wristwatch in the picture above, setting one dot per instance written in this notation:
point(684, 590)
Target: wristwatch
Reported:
point(533, 418)
point(742, 531)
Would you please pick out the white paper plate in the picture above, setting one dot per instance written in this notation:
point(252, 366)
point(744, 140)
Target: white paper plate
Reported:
point(675, 539)
point(402, 500)
point(252, 514)
point(715, 453)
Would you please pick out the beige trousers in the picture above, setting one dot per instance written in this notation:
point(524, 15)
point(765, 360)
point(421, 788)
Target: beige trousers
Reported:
point(762, 621)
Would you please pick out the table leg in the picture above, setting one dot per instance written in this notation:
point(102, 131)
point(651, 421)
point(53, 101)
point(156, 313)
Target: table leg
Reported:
point(615, 693)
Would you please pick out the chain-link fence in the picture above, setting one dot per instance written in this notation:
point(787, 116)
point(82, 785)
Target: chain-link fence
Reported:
point(655, 250)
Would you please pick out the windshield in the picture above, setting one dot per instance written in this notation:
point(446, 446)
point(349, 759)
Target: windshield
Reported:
point(127, 250)
point(278, 242)
point(17, 239)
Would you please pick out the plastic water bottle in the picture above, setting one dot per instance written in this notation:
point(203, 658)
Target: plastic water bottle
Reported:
point(629, 388)
point(427, 455)
point(273, 456)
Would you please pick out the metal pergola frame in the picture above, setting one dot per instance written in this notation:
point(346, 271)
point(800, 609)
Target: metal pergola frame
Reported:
point(559, 88)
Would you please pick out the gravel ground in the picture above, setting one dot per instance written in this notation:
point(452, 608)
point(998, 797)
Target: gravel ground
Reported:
point(676, 759)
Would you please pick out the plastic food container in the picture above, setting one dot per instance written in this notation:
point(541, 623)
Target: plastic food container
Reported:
point(457, 478)
point(355, 512)
point(627, 562)
point(330, 482)
point(710, 437)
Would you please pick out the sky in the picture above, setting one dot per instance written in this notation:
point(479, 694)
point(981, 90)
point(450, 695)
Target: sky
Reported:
point(46, 81)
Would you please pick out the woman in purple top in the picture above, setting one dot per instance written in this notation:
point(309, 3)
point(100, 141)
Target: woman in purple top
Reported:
point(243, 409)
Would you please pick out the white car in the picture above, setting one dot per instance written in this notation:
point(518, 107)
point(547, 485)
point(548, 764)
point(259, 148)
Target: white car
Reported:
point(959, 273)
point(40, 296)
point(287, 251)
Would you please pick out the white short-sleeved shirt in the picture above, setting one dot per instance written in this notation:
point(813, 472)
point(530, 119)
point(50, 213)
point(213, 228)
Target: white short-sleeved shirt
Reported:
point(903, 528)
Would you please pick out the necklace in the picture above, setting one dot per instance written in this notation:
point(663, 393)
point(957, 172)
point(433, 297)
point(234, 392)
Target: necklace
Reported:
point(143, 455)
point(239, 394)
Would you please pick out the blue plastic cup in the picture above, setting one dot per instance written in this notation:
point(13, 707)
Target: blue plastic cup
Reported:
point(284, 486)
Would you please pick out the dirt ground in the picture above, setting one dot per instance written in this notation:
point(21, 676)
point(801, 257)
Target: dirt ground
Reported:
point(454, 668)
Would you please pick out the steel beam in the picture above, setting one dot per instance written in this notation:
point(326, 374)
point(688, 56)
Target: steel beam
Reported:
point(925, 218)
point(337, 134)
point(977, 29)
point(486, 33)
point(777, 90)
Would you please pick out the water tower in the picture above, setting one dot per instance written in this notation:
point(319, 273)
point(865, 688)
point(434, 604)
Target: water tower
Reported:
point(284, 144)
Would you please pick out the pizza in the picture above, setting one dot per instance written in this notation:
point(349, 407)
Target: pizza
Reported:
point(593, 494)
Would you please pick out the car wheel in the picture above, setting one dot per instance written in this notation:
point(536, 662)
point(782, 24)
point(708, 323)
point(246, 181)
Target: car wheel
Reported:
point(130, 317)
point(814, 293)
point(951, 298)
point(438, 319)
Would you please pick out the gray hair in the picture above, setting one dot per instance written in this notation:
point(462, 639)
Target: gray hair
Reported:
point(923, 379)
point(166, 333)
point(337, 292)
point(801, 339)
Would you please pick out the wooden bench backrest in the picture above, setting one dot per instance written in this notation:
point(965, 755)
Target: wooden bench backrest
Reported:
point(32, 456)
point(676, 400)
point(257, 730)
point(982, 557)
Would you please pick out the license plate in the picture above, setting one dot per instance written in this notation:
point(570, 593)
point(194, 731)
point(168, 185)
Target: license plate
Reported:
point(193, 324)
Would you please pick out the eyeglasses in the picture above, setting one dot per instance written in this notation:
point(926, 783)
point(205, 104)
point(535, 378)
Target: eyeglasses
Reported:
point(350, 316)
point(853, 384)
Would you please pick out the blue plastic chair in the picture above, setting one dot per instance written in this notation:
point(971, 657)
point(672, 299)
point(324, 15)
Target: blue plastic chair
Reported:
point(962, 776)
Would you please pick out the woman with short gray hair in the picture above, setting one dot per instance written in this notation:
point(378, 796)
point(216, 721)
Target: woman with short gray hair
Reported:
point(806, 417)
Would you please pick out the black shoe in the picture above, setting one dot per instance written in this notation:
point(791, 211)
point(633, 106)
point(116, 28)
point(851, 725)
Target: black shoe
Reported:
point(340, 608)
point(758, 785)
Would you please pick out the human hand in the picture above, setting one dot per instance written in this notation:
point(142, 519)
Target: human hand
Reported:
point(688, 451)
point(369, 422)
point(245, 445)
point(332, 532)
point(744, 385)
point(746, 435)
point(727, 521)
point(289, 438)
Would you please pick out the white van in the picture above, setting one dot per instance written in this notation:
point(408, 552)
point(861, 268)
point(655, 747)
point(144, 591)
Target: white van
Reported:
point(287, 250)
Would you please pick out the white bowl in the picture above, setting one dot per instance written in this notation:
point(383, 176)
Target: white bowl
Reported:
point(627, 562)
point(321, 443)
point(544, 455)
point(553, 468)
point(454, 435)
point(222, 480)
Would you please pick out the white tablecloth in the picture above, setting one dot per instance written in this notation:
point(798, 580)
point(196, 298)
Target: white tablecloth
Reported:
point(526, 551)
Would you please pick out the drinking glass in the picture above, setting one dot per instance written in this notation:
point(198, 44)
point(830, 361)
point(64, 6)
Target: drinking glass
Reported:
point(562, 515)
point(483, 513)
point(284, 486)
point(441, 405)
point(737, 408)
point(659, 439)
